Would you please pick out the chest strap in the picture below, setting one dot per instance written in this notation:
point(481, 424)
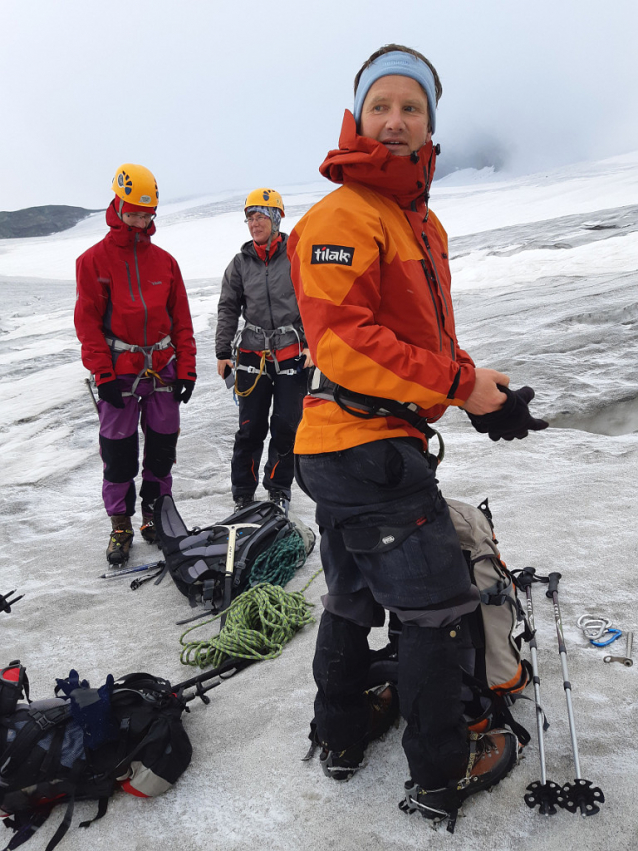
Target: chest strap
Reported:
point(366, 407)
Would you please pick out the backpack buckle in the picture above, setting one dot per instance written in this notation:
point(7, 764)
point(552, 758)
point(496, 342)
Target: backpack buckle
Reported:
point(46, 718)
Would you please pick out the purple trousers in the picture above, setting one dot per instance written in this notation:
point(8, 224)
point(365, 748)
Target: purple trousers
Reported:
point(119, 443)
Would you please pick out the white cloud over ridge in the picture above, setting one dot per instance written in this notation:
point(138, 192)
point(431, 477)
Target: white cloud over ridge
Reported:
point(212, 96)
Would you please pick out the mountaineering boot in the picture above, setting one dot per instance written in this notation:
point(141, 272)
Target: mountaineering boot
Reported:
point(280, 498)
point(120, 540)
point(242, 500)
point(148, 529)
point(492, 755)
point(384, 712)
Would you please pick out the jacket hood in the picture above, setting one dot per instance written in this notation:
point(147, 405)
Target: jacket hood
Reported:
point(123, 234)
point(360, 159)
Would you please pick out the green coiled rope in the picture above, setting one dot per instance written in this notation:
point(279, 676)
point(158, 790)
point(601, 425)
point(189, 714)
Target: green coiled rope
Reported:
point(277, 565)
point(258, 624)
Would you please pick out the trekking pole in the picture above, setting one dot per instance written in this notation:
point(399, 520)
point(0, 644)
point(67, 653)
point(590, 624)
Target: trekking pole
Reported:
point(7, 600)
point(580, 794)
point(543, 793)
point(225, 671)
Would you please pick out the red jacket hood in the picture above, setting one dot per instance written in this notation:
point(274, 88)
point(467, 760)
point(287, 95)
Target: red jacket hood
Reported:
point(360, 159)
point(124, 235)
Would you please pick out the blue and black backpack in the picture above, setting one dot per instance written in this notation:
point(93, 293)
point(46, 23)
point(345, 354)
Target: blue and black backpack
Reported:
point(83, 744)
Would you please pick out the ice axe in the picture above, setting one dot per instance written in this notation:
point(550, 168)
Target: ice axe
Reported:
point(89, 386)
point(230, 562)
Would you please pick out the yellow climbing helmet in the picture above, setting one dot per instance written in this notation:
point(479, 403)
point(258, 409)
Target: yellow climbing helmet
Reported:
point(264, 198)
point(136, 184)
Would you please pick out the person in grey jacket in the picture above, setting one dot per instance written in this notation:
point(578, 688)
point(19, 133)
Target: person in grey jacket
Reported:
point(269, 353)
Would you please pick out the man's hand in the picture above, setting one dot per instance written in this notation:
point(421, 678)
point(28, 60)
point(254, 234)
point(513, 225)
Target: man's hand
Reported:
point(110, 392)
point(223, 365)
point(513, 420)
point(308, 358)
point(486, 396)
point(183, 389)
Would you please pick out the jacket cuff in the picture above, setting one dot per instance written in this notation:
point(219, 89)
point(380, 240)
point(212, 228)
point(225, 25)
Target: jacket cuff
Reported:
point(464, 386)
point(186, 374)
point(103, 377)
point(224, 355)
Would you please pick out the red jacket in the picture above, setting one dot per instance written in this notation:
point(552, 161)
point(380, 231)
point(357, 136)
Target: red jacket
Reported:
point(372, 279)
point(132, 290)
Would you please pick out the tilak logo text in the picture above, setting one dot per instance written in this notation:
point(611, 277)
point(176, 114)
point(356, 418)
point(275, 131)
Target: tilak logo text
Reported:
point(339, 254)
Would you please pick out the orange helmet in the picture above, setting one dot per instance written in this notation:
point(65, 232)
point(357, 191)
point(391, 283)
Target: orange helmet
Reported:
point(136, 184)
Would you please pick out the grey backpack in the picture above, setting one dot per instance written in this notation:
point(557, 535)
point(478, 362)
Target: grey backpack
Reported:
point(498, 625)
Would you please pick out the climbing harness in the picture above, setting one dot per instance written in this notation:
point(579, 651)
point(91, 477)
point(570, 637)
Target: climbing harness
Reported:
point(268, 342)
point(366, 407)
point(269, 350)
point(118, 346)
point(251, 369)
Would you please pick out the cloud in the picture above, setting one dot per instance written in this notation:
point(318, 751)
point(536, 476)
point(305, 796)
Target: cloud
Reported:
point(215, 96)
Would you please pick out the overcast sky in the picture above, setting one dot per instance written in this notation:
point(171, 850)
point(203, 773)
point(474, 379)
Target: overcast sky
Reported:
point(225, 95)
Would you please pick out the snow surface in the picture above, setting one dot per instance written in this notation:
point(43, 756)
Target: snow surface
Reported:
point(546, 275)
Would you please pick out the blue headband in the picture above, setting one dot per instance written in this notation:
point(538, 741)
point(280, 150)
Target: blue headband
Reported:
point(403, 65)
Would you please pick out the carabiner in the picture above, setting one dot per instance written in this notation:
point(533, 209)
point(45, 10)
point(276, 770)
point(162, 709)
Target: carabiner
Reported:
point(614, 635)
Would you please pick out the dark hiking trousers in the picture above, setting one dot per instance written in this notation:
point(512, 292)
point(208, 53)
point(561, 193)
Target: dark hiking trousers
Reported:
point(119, 446)
point(285, 393)
point(387, 542)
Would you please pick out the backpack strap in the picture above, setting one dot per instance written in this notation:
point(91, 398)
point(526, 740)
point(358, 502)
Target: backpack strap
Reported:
point(256, 538)
point(497, 709)
point(102, 807)
point(25, 830)
point(38, 725)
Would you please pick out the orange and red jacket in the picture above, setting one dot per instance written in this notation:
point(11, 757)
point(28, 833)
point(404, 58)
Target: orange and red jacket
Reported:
point(370, 270)
point(132, 290)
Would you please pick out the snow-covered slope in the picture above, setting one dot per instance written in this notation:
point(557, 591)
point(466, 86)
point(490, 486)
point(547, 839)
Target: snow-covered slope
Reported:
point(545, 271)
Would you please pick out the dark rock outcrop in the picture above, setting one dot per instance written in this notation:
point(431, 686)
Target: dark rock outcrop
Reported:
point(40, 221)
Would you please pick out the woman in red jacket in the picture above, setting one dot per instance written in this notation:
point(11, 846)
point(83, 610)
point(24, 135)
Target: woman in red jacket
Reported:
point(133, 321)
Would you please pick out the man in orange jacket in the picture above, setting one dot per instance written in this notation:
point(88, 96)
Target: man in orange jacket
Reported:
point(370, 268)
point(134, 323)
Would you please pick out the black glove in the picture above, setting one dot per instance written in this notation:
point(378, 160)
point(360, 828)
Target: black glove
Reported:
point(511, 421)
point(183, 389)
point(90, 708)
point(110, 392)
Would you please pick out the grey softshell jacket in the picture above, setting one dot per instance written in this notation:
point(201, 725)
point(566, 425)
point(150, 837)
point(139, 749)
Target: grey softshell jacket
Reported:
point(263, 295)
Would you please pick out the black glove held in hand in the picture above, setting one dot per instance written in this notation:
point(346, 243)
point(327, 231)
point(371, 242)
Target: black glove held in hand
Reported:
point(110, 392)
point(511, 421)
point(183, 389)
